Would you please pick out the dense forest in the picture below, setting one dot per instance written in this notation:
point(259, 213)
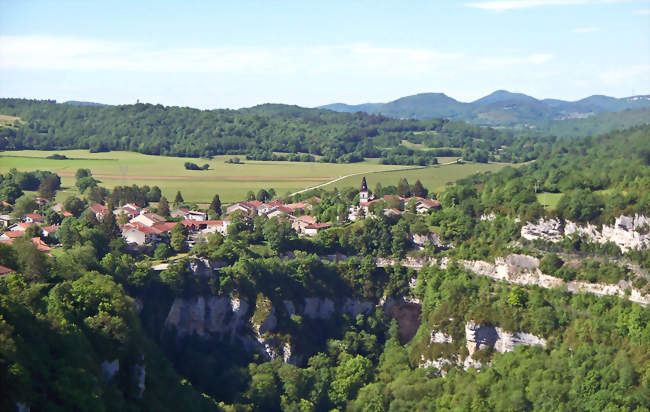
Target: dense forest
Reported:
point(259, 131)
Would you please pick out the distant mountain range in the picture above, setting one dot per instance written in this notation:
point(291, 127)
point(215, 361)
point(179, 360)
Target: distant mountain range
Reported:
point(500, 108)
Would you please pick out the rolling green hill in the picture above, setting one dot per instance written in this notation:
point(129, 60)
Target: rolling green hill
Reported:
point(500, 108)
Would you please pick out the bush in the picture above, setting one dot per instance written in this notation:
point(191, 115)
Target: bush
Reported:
point(550, 263)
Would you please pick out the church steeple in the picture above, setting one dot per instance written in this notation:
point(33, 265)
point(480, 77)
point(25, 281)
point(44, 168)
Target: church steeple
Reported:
point(363, 193)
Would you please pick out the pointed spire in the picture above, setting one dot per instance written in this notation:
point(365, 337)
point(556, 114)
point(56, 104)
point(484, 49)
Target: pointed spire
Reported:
point(364, 186)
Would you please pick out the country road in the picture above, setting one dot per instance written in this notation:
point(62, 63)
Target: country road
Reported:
point(366, 173)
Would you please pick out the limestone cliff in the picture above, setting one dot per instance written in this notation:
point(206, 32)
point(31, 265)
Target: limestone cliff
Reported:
point(627, 232)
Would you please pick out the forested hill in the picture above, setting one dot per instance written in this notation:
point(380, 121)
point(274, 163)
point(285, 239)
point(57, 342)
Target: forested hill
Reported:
point(257, 131)
point(500, 108)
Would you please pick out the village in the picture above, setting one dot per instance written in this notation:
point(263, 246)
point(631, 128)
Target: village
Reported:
point(143, 229)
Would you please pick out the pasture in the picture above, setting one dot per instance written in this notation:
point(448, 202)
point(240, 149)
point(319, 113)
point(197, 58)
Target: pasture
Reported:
point(230, 181)
point(434, 178)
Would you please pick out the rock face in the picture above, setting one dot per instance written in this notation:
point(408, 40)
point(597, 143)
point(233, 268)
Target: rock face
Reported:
point(215, 314)
point(524, 270)
point(439, 337)
point(422, 240)
point(109, 369)
point(407, 313)
point(627, 232)
point(481, 336)
point(549, 230)
point(140, 372)
point(231, 317)
point(318, 308)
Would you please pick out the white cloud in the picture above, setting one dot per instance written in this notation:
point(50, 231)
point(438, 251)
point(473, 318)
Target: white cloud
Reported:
point(504, 5)
point(64, 53)
point(642, 12)
point(586, 30)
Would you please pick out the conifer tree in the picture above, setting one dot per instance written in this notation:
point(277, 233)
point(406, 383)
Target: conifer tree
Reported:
point(215, 206)
point(163, 206)
point(178, 199)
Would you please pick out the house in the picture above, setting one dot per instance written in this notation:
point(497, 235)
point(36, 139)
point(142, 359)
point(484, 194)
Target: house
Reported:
point(50, 230)
point(19, 227)
point(313, 229)
point(424, 205)
point(128, 209)
point(33, 218)
point(279, 211)
point(5, 220)
point(41, 201)
point(299, 206)
point(164, 227)
point(189, 214)
point(299, 223)
point(99, 210)
point(215, 226)
point(140, 234)
point(148, 219)
point(6, 204)
point(58, 207)
point(40, 245)
point(11, 235)
point(392, 212)
point(247, 208)
point(4, 271)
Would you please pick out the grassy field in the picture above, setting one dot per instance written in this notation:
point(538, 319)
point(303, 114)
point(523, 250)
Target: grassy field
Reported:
point(230, 181)
point(433, 177)
point(549, 200)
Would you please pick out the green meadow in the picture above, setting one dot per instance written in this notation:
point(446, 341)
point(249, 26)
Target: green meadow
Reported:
point(435, 178)
point(230, 181)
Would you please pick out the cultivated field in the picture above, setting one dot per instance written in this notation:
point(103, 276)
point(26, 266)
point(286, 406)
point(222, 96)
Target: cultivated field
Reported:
point(230, 181)
point(434, 178)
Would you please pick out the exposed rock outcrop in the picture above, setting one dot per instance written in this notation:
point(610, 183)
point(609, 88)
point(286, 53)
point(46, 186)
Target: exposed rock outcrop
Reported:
point(318, 308)
point(439, 337)
point(524, 270)
point(627, 232)
point(407, 313)
point(483, 336)
point(215, 314)
point(109, 369)
point(139, 370)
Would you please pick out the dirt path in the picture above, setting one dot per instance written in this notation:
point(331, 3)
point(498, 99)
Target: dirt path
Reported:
point(365, 173)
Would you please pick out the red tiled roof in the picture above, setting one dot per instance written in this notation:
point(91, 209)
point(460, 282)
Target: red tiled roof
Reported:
point(21, 227)
point(164, 226)
point(99, 208)
point(5, 271)
point(34, 217)
point(51, 229)
point(40, 245)
point(156, 218)
point(430, 202)
point(67, 214)
point(13, 234)
point(209, 223)
point(307, 219)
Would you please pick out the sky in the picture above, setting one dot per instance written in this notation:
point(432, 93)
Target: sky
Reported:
point(241, 53)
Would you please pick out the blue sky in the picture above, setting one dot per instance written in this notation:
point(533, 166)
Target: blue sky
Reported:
point(235, 54)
